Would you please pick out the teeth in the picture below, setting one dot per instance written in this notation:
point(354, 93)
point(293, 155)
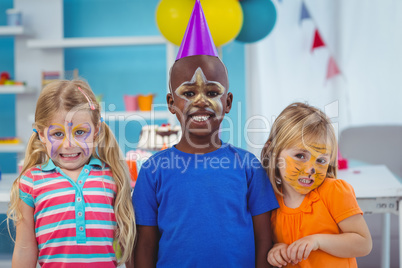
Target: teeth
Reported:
point(305, 181)
point(69, 155)
point(200, 118)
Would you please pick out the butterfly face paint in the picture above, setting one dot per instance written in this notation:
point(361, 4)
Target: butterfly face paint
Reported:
point(304, 168)
point(69, 143)
point(201, 91)
point(57, 135)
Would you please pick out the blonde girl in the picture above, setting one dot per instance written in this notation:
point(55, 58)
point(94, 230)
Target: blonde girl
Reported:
point(72, 198)
point(318, 223)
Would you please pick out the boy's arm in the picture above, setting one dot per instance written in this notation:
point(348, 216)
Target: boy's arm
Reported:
point(262, 238)
point(146, 249)
point(26, 248)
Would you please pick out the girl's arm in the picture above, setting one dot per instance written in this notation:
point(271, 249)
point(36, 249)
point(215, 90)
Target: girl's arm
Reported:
point(355, 241)
point(146, 249)
point(278, 255)
point(25, 248)
point(262, 238)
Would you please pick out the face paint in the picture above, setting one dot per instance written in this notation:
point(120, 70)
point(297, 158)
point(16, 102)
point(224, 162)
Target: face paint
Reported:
point(199, 90)
point(80, 134)
point(305, 167)
point(69, 126)
point(57, 134)
point(56, 137)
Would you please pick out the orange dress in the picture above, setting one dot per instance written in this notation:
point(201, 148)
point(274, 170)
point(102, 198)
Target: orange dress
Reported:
point(333, 201)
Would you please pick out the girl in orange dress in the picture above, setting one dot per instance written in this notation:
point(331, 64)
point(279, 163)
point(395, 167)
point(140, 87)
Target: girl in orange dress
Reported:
point(319, 223)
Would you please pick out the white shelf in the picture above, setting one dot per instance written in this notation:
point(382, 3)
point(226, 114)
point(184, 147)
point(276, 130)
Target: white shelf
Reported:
point(12, 148)
point(15, 89)
point(11, 30)
point(146, 115)
point(96, 42)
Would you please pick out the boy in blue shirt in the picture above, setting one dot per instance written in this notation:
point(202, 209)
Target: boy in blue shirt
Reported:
point(202, 203)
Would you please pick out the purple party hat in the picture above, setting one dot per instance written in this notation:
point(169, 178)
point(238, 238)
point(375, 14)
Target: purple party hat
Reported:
point(197, 39)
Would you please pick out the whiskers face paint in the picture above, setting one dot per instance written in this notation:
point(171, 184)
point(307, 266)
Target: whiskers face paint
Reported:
point(304, 168)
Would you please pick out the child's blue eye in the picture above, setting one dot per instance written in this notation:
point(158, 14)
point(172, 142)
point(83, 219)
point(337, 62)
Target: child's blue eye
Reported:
point(301, 156)
point(322, 160)
point(58, 134)
point(79, 132)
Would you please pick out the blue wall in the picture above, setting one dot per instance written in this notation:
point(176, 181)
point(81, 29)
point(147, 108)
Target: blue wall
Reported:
point(116, 71)
point(7, 102)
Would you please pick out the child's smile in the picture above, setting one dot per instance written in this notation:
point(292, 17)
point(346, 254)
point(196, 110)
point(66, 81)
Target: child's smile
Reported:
point(304, 168)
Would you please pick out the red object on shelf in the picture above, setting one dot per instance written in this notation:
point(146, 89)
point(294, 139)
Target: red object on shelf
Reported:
point(5, 75)
point(342, 162)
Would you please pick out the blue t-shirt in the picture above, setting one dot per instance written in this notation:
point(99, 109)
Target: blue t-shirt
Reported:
point(203, 206)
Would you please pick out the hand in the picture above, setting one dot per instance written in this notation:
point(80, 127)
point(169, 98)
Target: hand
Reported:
point(278, 256)
point(301, 249)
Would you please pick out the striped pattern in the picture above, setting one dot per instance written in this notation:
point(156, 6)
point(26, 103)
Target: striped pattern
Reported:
point(74, 221)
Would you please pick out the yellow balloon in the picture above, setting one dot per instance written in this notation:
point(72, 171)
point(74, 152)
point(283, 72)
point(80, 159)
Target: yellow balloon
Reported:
point(224, 18)
point(172, 17)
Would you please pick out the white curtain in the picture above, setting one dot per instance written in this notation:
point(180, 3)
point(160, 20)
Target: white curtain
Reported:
point(365, 39)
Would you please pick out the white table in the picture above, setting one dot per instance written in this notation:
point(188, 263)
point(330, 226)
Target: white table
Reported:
point(378, 191)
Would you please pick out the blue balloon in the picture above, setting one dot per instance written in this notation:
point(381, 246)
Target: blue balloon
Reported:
point(259, 17)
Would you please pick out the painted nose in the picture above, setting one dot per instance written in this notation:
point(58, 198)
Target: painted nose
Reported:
point(69, 142)
point(201, 101)
point(312, 171)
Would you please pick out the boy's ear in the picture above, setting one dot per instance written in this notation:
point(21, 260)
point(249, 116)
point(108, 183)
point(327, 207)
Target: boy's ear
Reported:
point(170, 102)
point(229, 101)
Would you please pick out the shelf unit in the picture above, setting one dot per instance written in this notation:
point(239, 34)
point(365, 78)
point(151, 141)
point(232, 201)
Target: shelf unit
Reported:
point(13, 31)
point(83, 42)
point(41, 47)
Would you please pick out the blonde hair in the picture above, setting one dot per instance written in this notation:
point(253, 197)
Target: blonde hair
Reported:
point(65, 95)
point(297, 123)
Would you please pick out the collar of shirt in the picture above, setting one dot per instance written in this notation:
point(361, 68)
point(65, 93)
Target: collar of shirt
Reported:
point(49, 166)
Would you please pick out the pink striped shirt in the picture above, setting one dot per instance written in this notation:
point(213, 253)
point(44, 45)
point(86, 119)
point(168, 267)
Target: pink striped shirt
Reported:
point(74, 221)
